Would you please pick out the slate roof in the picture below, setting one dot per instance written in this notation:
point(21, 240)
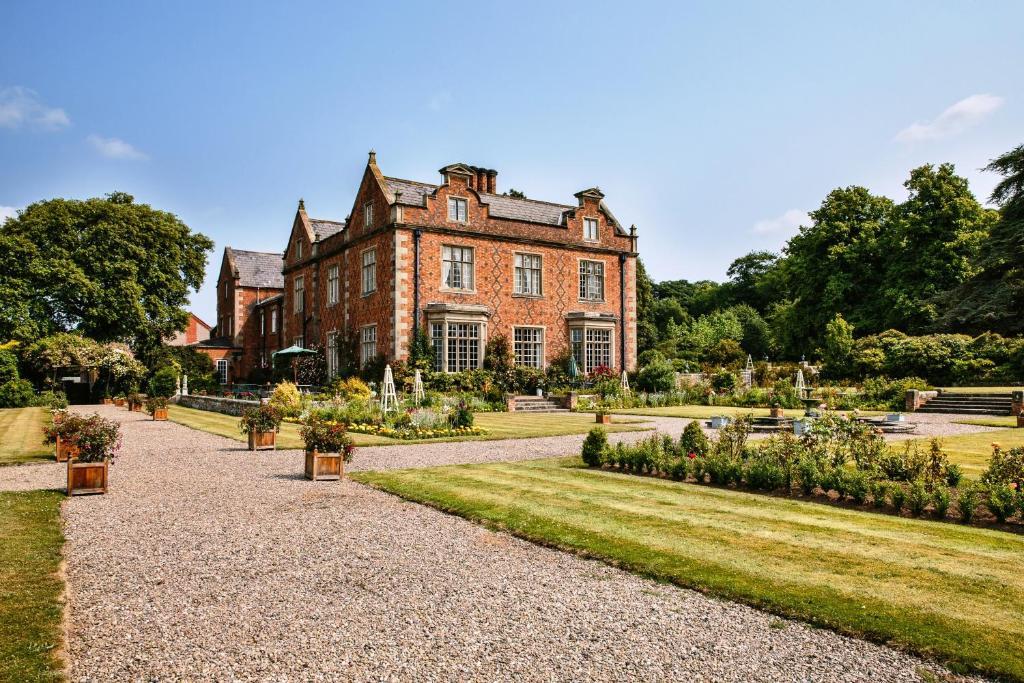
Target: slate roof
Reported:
point(272, 299)
point(258, 268)
point(323, 228)
point(215, 343)
point(502, 206)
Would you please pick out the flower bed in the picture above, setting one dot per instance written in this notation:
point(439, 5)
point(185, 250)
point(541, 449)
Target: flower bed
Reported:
point(837, 460)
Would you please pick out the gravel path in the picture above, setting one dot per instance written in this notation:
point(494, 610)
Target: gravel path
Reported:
point(206, 562)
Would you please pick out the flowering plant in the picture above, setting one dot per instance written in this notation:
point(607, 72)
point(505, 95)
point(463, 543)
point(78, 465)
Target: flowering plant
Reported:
point(155, 403)
point(264, 418)
point(327, 437)
point(97, 439)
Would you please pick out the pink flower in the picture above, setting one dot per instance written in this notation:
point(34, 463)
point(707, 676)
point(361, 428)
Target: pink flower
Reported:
point(692, 455)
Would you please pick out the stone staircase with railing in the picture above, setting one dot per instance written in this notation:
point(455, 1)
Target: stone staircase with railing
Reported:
point(534, 404)
point(969, 404)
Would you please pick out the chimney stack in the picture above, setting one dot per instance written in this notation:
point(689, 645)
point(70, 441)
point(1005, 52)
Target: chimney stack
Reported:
point(492, 181)
point(481, 179)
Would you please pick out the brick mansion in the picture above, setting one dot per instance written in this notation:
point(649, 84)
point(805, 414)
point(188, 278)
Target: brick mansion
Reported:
point(458, 260)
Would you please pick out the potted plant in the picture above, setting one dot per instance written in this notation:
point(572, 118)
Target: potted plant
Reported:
point(157, 407)
point(776, 410)
point(328, 448)
point(135, 400)
point(97, 441)
point(603, 418)
point(119, 401)
point(1020, 419)
point(61, 433)
point(262, 425)
point(107, 400)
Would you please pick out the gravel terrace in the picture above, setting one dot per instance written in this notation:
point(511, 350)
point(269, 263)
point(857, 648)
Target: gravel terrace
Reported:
point(207, 562)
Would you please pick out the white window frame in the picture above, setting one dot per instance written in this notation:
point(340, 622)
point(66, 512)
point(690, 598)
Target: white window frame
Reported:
point(299, 341)
point(368, 271)
point(299, 295)
point(298, 248)
point(518, 282)
point(581, 348)
point(445, 345)
point(588, 277)
point(368, 215)
point(519, 351)
point(458, 204)
point(333, 284)
point(591, 230)
point(222, 370)
point(448, 264)
point(367, 344)
point(263, 323)
point(273, 320)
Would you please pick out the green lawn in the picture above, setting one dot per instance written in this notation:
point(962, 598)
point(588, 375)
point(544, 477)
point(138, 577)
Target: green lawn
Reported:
point(991, 421)
point(972, 451)
point(30, 589)
point(21, 435)
point(705, 412)
point(498, 426)
point(980, 390)
point(938, 589)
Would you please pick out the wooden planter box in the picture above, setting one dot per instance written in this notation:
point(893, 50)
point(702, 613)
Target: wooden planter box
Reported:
point(262, 441)
point(87, 477)
point(135, 407)
point(119, 402)
point(160, 414)
point(325, 466)
point(604, 419)
point(1020, 420)
point(776, 412)
point(65, 451)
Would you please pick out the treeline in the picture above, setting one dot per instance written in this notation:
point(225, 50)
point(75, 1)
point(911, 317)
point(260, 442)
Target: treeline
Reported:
point(937, 263)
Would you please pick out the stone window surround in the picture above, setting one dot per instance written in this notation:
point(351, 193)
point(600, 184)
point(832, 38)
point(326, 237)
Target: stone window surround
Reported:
point(515, 281)
point(459, 290)
point(604, 279)
point(587, 220)
point(455, 200)
point(599, 321)
point(458, 313)
point(362, 271)
point(543, 344)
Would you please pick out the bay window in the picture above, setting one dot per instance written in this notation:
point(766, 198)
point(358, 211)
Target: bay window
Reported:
point(591, 347)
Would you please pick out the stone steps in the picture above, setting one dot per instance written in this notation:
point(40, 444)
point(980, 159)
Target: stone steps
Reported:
point(535, 404)
point(969, 404)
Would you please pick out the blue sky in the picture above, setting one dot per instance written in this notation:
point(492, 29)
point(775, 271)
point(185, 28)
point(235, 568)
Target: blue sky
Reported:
point(711, 126)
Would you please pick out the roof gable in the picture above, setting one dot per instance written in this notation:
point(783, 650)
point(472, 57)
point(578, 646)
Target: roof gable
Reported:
point(257, 268)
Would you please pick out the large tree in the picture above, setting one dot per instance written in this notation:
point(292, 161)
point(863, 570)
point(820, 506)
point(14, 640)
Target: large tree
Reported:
point(994, 298)
point(932, 248)
point(109, 268)
point(646, 332)
point(751, 279)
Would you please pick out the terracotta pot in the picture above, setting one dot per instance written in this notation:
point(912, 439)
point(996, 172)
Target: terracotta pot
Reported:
point(324, 466)
point(65, 450)
point(262, 441)
point(87, 477)
point(776, 412)
point(119, 402)
point(160, 414)
point(135, 407)
point(604, 419)
point(108, 401)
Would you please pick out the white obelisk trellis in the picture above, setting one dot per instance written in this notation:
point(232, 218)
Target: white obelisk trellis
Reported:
point(418, 395)
point(748, 373)
point(625, 384)
point(388, 398)
point(801, 387)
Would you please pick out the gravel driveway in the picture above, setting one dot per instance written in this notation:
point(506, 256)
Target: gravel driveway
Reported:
point(207, 562)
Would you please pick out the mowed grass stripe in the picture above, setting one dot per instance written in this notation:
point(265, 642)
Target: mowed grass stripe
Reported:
point(970, 618)
point(768, 549)
point(21, 435)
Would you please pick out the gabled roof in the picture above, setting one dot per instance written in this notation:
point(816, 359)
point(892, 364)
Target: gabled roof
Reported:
point(257, 268)
point(323, 228)
point(273, 299)
point(413, 193)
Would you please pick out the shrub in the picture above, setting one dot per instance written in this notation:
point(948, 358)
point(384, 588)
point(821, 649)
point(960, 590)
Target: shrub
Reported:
point(264, 418)
point(658, 375)
point(917, 497)
point(693, 440)
point(326, 437)
point(724, 382)
point(8, 366)
point(1005, 467)
point(461, 416)
point(97, 439)
point(886, 394)
point(1001, 502)
point(809, 474)
point(858, 483)
point(594, 447)
point(54, 400)
point(351, 388)
point(16, 393)
point(878, 489)
point(287, 399)
point(897, 496)
point(763, 475)
point(967, 502)
point(954, 474)
point(164, 382)
point(940, 501)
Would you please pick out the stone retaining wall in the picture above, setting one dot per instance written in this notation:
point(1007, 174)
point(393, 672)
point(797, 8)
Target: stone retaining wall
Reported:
point(216, 404)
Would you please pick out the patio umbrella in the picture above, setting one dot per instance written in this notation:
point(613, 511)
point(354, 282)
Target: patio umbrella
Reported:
point(293, 352)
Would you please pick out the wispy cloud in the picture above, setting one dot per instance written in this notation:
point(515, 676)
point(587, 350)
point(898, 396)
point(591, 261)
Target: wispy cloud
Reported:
point(439, 100)
point(115, 148)
point(7, 212)
point(955, 119)
point(21, 106)
point(786, 223)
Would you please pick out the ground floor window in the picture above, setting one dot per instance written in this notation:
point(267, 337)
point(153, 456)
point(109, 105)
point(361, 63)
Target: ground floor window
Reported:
point(457, 345)
point(332, 354)
point(222, 371)
point(368, 344)
point(528, 346)
point(591, 347)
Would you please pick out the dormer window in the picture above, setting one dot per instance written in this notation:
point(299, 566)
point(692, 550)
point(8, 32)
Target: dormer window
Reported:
point(590, 229)
point(457, 209)
point(367, 215)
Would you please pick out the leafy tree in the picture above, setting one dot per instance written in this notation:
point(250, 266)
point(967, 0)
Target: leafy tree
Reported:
point(109, 268)
point(994, 298)
point(646, 331)
point(933, 246)
point(749, 278)
point(696, 298)
point(756, 335)
point(837, 348)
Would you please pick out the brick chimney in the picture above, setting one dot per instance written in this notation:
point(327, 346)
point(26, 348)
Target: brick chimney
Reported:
point(481, 179)
point(492, 181)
